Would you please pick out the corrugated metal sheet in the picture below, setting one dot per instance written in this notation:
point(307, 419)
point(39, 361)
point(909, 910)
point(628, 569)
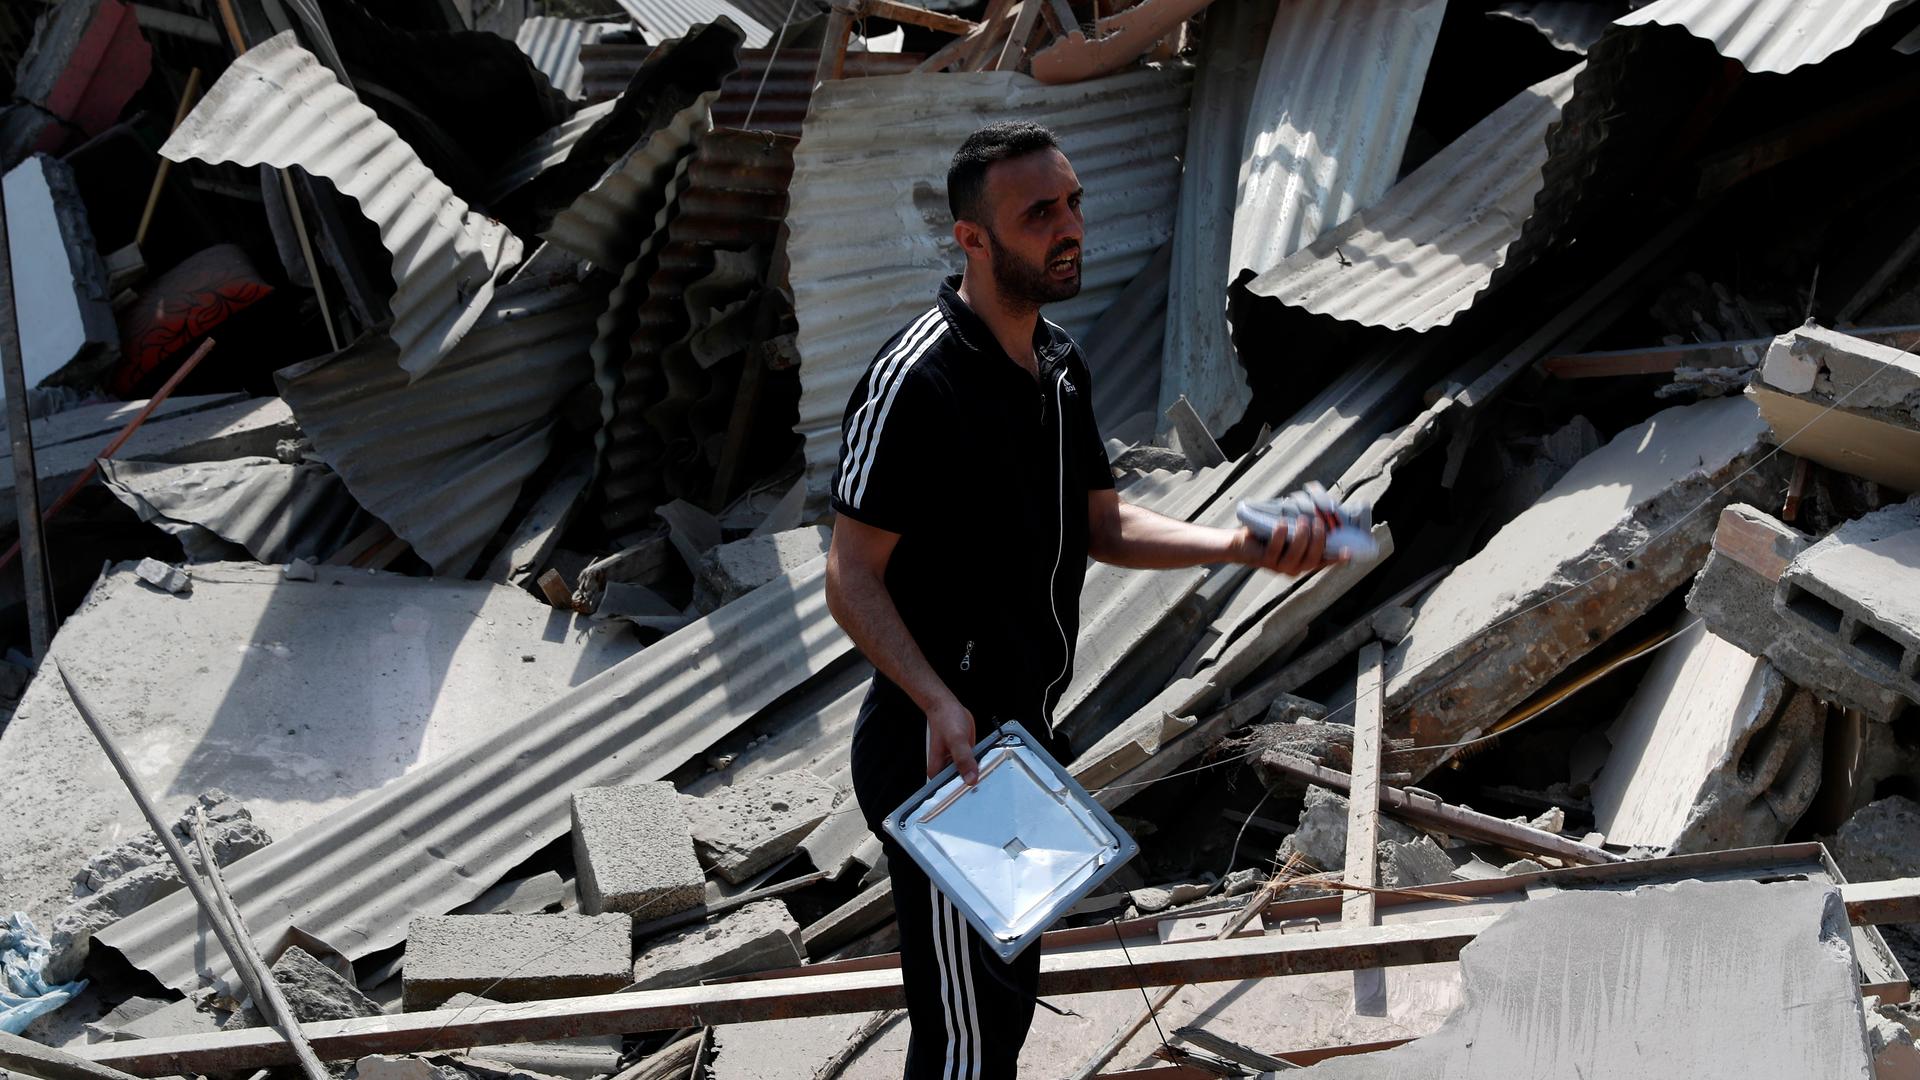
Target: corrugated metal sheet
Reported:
point(1568, 25)
point(1426, 251)
point(547, 150)
point(279, 105)
point(782, 102)
point(1329, 120)
point(277, 512)
point(1769, 35)
point(554, 47)
point(667, 19)
point(733, 200)
point(441, 459)
point(1198, 361)
point(1123, 348)
point(870, 236)
point(604, 224)
point(437, 837)
point(613, 331)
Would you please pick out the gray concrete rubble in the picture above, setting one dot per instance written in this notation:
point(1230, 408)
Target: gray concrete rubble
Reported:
point(403, 1067)
point(1157, 898)
point(1321, 838)
point(1625, 527)
point(1858, 591)
point(130, 875)
point(545, 892)
point(1716, 750)
point(514, 957)
point(633, 851)
point(574, 1059)
point(1744, 594)
point(59, 279)
point(192, 1015)
point(1847, 403)
point(741, 830)
point(781, 1049)
point(730, 571)
point(1770, 991)
point(163, 576)
point(1412, 864)
point(313, 990)
point(758, 937)
point(107, 1028)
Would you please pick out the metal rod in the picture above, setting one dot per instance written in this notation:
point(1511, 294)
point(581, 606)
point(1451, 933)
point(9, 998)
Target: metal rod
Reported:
point(166, 164)
point(112, 448)
point(260, 982)
point(26, 477)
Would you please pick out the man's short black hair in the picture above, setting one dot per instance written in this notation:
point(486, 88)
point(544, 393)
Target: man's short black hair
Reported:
point(967, 176)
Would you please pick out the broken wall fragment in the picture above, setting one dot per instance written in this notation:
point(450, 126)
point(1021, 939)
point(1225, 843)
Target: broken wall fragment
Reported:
point(1845, 402)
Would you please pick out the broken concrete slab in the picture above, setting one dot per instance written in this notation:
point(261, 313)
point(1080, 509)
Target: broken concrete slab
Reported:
point(514, 957)
point(1845, 402)
point(761, 936)
point(575, 1059)
point(166, 578)
point(59, 281)
point(1413, 864)
point(633, 851)
point(294, 697)
point(1715, 751)
point(1620, 531)
point(101, 421)
point(730, 571)
point(313, 991)
point(781, 1049)
point(1638, 988)
point(1858, 591)
point(1734, 595)
point(1321, 838)
point(130, 875)
point(403, 1067)
point(744, 829)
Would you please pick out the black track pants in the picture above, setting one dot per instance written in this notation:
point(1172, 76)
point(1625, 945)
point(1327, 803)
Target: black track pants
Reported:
point(969, 1011)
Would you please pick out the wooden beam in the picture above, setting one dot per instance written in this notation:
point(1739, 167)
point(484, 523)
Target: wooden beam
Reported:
point(992, 24)
point(1358, 907)
point(814, 995)
point(1661, 359)
point(833, 47)
point(1428, 811)
point(918, 16)
point(29, 1058)
point(1016, 47)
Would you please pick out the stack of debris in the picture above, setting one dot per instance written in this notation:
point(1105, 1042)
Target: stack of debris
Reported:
point(432, 406)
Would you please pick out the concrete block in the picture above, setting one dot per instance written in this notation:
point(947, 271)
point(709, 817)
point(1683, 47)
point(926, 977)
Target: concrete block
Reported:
point(313, 990)
point(163, 576)
point(633, 851)
point(731, 571)
point(1413, 864)
point(1321, 838)
point(514, 957)
point(1858, 592)
point(782, 1049)
point(758, 937)
point(741, 830)
point(1716, 750)
point(1880, 842)
point(59, 281)
point(403, 1067)
point(1622, 529)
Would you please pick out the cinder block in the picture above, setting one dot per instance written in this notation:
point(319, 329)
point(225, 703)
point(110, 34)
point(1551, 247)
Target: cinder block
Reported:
point(514, 957)
point(758, 937)
point(742, 830)
point(1858, 592)
point(633, 851)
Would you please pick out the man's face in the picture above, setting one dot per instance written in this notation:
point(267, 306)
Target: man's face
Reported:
point(1034, 231)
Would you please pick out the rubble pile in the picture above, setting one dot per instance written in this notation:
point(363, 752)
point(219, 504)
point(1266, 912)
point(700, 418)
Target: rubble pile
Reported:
point(421, 417)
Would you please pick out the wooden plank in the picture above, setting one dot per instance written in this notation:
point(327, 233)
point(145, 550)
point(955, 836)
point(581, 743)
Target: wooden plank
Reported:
point(815, 995)
point(1660, 359)
point(1428, 811)
point(29, 1058)
point(1358, 907)
point(1837, 438)
point(918, 16)
point(1877, 903)
point(992, 25)
point(833, 47)
point(1016, 46)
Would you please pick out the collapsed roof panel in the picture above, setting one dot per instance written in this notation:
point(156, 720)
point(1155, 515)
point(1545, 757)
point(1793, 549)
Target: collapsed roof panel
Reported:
point(1769, 35)
point(664, 20)
point(553, 44)
point(422, 843)
point(870, 241)
point(1568, 25)
point(1427, 250)
point(442, 458)
point(278, 105)
point(769, 91)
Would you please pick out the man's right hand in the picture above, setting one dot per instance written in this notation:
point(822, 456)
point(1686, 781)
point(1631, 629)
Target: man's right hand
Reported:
point(950, 736)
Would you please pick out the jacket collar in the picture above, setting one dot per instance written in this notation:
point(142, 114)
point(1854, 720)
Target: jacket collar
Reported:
point(1050, 343)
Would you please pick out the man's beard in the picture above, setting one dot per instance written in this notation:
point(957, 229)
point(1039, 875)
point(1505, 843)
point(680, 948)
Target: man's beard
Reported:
point(1023, 284)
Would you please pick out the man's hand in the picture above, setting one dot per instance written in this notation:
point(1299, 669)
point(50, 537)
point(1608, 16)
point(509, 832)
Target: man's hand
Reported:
point(1298, 550)
point(950, 735)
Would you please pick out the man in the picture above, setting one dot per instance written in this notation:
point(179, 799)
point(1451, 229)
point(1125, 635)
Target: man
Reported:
point(972, 487)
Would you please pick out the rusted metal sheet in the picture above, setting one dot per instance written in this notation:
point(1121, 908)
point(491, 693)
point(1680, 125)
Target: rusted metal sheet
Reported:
point(1423, 254)
point(279, 105)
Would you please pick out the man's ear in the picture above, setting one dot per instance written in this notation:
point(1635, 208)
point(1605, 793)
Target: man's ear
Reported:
point(971, 238)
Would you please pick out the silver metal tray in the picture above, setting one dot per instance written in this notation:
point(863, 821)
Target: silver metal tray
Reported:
point(1017, 849)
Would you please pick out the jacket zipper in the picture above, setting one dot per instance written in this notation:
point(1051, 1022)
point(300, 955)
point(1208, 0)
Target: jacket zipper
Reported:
point(966, 662)
point(1060, 543)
